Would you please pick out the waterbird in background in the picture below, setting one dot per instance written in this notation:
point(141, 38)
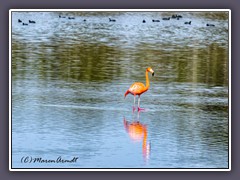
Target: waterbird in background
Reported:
point(210, 25)
point(31, 21)
point(19, 20)
point(176, 16)
point(155, 20)
point(138, 88)
point(61, 16)
point(112, 20)
point(188, 23)
point(166, 18)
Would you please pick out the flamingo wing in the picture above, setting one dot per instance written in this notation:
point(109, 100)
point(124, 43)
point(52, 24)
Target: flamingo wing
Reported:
point(137, 88)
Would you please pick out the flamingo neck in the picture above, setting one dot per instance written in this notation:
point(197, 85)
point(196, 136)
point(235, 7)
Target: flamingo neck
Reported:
point(147, 81)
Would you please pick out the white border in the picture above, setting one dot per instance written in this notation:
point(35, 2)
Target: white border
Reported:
point(126, 10)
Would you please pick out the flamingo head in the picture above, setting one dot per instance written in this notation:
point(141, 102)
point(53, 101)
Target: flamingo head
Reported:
point(149, 69)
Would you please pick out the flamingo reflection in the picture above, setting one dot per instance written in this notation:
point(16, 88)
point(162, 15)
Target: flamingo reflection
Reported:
point(138, 132)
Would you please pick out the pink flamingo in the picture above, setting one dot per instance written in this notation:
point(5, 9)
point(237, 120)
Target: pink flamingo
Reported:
point(138, 88)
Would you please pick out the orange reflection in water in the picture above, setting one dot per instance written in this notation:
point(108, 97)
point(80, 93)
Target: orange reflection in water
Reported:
point(138, 133)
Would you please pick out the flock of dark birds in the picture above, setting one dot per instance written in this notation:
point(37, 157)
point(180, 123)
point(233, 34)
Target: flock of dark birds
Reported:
point(25, 24)
point(175, 16)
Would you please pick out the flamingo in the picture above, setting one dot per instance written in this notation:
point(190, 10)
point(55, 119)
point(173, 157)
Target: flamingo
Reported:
point(138, 88)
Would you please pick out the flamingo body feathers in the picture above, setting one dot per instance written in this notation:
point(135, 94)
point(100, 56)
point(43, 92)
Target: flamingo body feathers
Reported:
point(137, 88)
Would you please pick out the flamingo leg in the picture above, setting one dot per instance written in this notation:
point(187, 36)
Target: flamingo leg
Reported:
point(138, 101)
point(134, 103)
point(139, 109)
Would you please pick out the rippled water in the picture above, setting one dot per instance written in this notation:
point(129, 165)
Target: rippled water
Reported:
point(69, 78)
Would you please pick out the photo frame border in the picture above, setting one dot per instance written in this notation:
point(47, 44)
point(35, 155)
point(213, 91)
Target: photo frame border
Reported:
point(118, 169)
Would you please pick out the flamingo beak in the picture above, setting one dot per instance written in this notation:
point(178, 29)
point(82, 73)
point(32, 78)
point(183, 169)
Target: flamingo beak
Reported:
point(151, 71)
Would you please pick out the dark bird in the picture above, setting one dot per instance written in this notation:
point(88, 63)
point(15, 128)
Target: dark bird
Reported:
point(112, 20)
point(188, 22)
point(61, 16)
point(166, 18)
point(24, 24)
point(71, 17)
point(31, 21)
point(210, 25)
point(84, 20)
point(155, 20)
point(143, 21)
point(19, 21)
point(176, 16)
